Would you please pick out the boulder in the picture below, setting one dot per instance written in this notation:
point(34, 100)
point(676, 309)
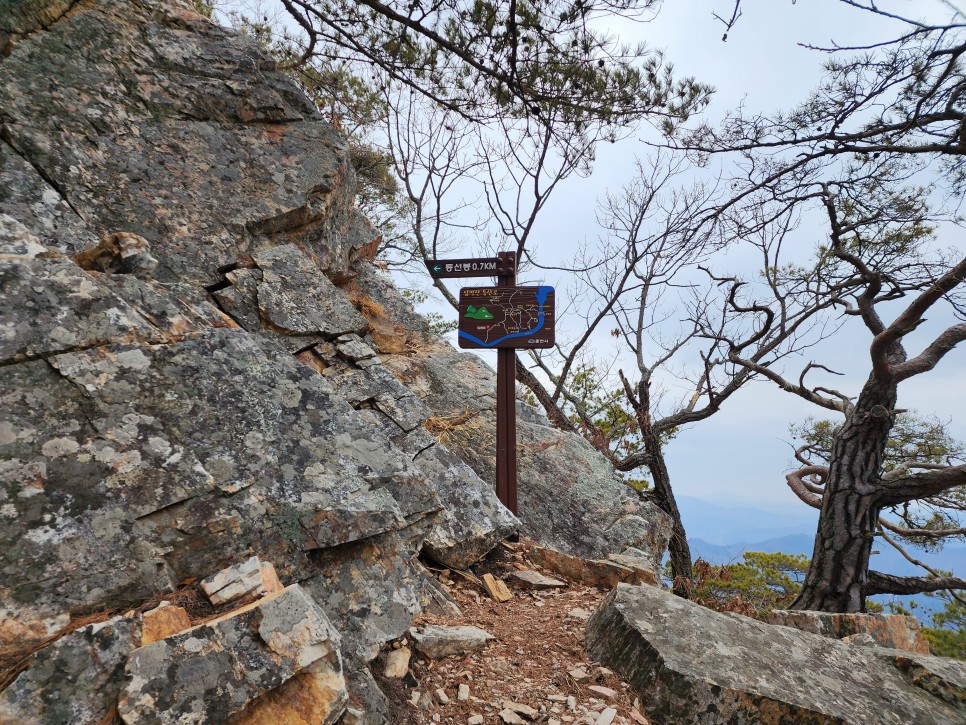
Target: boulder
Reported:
point(75, 679)
point(154, 121)
point(153, 464)
point(217, 670)
point(689, 664)
point(886, 630)
point(471, 520)
point(371, 590)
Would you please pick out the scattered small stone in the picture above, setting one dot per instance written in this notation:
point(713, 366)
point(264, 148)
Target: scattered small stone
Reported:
point(463, 693)
point(475, 720)
point(397, 663)
point(557, 698)
point(414, 698)
point(607, 716)
point(577, 613)
point(638, 718)
point(442, 696)
point(605, 691)
point(496, 588)
point(511, 718)
point(571, 703)
point(578, 673)
point(436, 641)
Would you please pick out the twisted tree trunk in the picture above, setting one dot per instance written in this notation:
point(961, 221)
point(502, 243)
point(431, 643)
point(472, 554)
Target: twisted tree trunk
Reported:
point(678, 550)
point(838, 576)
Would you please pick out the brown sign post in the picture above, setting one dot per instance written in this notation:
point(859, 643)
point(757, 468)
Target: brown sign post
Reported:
point(504, 318)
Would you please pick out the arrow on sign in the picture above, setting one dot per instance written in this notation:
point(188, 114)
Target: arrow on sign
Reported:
point(438, 268)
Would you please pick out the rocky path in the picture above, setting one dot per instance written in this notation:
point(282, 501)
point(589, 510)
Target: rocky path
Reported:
point(535, 669)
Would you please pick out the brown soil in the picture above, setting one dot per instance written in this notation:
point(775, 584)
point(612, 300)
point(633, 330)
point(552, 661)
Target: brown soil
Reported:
point(539, 642)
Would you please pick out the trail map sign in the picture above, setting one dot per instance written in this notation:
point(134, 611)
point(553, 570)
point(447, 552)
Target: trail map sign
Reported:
point(501, 318)
point(506, 317)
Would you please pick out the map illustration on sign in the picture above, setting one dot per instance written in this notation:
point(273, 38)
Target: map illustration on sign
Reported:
point(506, 317)
point(478, 314)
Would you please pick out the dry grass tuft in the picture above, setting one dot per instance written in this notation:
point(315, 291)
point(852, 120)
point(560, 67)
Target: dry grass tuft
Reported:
point(455, 427)
point(370, 308)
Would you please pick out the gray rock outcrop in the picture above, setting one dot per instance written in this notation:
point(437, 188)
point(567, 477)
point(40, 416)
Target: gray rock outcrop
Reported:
point(199, 364)
point(568, 494)
point(74, 680)
point(689, 664)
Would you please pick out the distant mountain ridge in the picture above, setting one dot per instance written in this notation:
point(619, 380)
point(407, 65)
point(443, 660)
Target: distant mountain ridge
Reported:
point(720, 534)
point(887, 560)
point(722, 524)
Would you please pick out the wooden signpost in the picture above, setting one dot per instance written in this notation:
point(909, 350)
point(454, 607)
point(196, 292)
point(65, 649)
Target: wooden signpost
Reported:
point(502, 318)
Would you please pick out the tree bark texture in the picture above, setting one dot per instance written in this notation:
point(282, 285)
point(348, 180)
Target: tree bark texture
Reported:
point(837, 579)
point(678, 549)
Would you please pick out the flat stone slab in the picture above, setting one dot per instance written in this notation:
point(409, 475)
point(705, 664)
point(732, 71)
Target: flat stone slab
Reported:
point(593, 572)
point(529, 579)
point(689, 664)
point(437, 641)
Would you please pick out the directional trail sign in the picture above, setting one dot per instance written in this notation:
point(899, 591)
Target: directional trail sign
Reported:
point(474, 267)
point(496, 318)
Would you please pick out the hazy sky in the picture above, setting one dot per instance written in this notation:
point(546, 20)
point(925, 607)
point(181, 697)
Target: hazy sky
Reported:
point(741, 454)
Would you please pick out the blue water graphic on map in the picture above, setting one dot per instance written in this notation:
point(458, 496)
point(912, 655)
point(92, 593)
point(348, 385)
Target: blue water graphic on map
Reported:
point(541, 295)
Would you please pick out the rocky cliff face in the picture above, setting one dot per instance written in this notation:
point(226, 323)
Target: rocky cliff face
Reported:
point(199, 363)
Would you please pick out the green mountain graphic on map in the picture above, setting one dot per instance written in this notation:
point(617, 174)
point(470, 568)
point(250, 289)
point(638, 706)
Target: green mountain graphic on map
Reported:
point(478, 314)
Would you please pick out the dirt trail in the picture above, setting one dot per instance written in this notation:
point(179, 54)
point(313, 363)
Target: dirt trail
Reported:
point(537, 660)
